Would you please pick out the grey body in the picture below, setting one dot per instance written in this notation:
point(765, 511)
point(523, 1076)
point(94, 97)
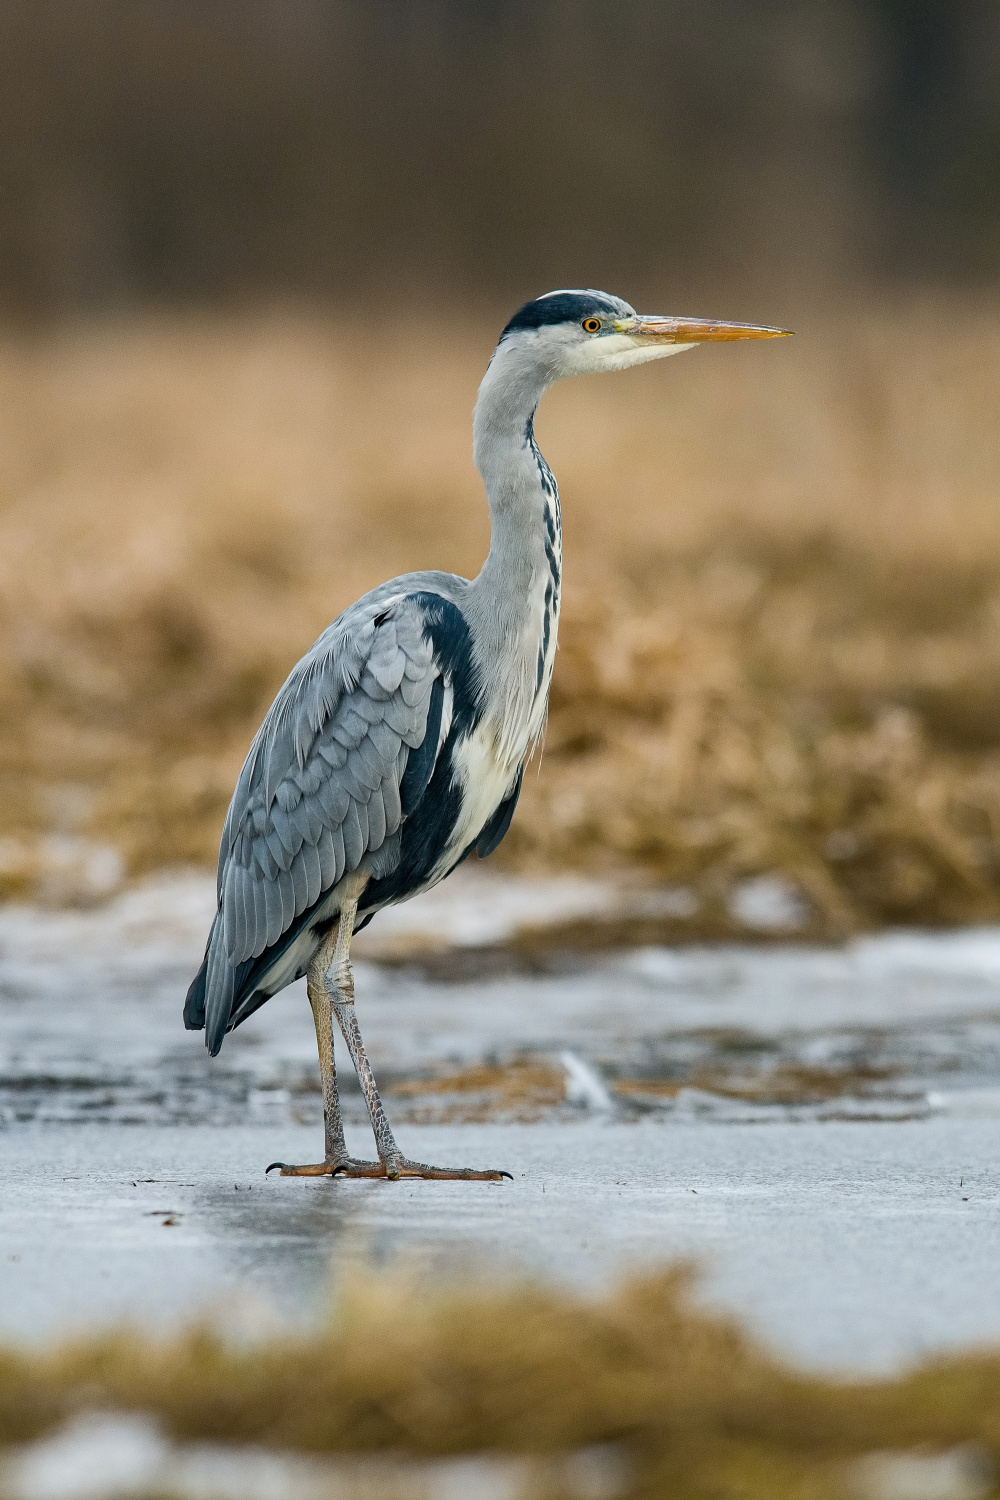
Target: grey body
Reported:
point(322, 795)
point(398, 742)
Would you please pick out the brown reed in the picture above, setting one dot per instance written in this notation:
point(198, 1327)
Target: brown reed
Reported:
point(698, 1409)
point(780, 647)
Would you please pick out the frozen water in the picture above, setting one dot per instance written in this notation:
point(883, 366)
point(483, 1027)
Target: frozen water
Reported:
point(769, 903)
point(846, 1245)
point(855, 1229)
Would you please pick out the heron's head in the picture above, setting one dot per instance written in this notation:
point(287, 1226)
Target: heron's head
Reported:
point(584, 332)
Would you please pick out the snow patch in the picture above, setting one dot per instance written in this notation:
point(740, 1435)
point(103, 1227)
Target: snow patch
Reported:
point(113, 1457)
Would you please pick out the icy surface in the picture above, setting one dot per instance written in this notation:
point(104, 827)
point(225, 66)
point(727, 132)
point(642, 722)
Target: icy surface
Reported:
point(845, 1245)
point(858, 1227)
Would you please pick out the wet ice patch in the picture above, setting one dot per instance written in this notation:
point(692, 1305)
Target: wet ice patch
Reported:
point(768, 903)
point(61, 869)
point(972, 954)
point(90, 1026)
point(690, 1104)
point(477, 908)
point(983, 1103)
point(584, 1085)
point(963, 1473)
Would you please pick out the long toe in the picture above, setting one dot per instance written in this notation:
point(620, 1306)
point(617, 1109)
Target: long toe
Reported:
point(404, 1168)
point(346, 1167)
point(308, 1169)
point(351, 1167)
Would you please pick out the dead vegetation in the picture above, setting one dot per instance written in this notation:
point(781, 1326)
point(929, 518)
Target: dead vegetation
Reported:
point(523, 1090)
point(781, 642)
point(697, 1409)
point(788, 1083)
point(528, 1087)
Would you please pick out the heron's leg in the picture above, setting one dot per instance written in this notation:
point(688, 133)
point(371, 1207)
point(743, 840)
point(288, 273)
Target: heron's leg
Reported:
point(335, 1154)
point(334, 1144)
point(392, 1161)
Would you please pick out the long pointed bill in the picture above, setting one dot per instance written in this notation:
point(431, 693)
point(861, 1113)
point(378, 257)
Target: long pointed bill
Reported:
point(649, 330)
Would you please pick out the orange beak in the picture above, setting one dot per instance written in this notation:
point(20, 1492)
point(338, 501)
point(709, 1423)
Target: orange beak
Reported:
point(654, 330)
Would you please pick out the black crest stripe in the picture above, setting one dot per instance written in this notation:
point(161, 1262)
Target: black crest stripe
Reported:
point(563, 307)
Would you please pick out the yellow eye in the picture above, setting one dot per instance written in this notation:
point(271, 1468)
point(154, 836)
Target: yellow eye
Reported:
point(591, 325)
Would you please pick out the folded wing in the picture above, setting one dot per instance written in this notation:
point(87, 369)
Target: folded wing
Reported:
point(321, 787)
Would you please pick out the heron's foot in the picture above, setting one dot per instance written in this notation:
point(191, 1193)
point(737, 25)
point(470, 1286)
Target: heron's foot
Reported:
point(341, 1166)
point(399, 1166)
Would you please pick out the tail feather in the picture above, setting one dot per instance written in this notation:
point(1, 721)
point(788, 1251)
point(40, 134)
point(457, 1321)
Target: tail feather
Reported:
point(220, 992)
point(209, 1002)
point(194, 1005)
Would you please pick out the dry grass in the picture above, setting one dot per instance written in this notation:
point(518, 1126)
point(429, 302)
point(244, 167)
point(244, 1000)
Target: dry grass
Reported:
point(781, 640)
point(524, 1090)
point(698, 1408)
point(789, 1083)
point(529, 1087)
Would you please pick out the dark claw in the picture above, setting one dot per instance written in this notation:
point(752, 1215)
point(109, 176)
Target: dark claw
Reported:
point(508, 1175)
point(273, 1165)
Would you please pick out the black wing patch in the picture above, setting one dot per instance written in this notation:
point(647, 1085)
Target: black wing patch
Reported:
point(194, 1003)
point(350, 755)
point(495, 831)
point(421, 760)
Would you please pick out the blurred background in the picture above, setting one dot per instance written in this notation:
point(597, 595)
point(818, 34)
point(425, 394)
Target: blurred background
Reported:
point(253, 260)
point(368, 152)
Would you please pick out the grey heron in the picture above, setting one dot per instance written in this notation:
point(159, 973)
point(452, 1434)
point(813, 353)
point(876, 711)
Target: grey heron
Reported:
point(397, 745)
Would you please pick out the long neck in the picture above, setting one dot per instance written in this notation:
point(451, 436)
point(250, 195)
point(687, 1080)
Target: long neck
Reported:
point(516, 597)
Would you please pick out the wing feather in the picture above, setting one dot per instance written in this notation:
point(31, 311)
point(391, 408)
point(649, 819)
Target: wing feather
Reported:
point(384, 744)
point(370, 765)
point(234, 903)
point(311, 881)
point(376, 819)
point(291, 840)
point(310, 778)
point(339, 850)
point(351, 829)
point(260, 891)
point(333, 753)
point(272, 911)
point(411, 690)
point(323, 785)
point(355, 784)
point(278, 851)
point(334, 799)
point(264, 859)
point(361, 811)
point(327, 860)
point(403, 721)
point(286, 892)
point(248, 908)
point(390, 801)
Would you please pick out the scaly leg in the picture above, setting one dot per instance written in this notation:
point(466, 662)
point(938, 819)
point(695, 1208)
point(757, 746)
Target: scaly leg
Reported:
point(335, 1155)
point(392, 1161)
